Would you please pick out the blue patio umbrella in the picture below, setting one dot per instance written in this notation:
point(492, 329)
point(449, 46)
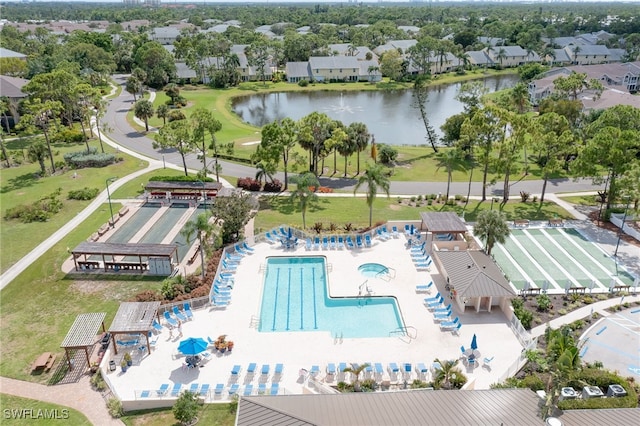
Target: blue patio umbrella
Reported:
point(474, 344)
point(192, 346)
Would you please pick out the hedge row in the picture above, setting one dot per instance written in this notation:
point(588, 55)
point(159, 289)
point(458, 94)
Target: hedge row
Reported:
point(251, 184)
point(179, 179)
point(83, 159)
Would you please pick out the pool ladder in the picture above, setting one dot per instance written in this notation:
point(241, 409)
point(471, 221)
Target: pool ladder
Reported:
point(406, 331)
point(387, 274)
point(255, 322)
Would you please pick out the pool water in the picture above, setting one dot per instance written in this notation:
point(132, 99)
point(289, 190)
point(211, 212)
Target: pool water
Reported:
point(372, 270)
point(295, 298)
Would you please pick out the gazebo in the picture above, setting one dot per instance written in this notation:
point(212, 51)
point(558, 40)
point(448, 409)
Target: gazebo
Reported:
point(442, 224)
point(134, 318)
point(108, 252)
point(82, 334)
point(474, 279)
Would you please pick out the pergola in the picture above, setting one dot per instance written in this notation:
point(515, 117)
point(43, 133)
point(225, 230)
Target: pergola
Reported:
point(82, 334)
point(134, 318)
point(183, 189)
point(443, 223)
point(112, 250)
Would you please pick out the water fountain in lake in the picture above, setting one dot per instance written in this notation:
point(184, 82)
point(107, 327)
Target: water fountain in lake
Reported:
point(342, 107)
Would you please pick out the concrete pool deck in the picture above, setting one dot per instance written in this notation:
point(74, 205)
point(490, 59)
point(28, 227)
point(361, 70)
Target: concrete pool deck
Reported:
point(302, 350)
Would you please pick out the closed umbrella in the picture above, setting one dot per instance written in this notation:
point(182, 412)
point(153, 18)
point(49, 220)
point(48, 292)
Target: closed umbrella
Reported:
point(474, 344)
point(192, 346)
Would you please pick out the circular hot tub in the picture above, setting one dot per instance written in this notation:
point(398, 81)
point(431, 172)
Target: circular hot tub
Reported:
point(372, 269)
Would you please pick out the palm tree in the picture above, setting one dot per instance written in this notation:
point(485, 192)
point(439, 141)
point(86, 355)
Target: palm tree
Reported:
point(162, 112)
point(265, 170)
point(144, 111)
point(373, 177)
point(203, 229)
point(491, 227)
point(356, 371)
point(576, 50)
point(501, 55)
point(303, 195)
point(446, 375)
point(359, 135)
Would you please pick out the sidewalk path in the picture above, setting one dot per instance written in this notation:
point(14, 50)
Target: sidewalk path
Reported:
point(78, 396)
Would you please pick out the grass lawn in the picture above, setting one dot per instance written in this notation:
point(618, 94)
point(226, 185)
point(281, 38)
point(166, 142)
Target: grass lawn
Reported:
point(39, 306)
point(65, 415)
point(21, 185)
point(209, 414)
point(276, 211)
point(581, 200)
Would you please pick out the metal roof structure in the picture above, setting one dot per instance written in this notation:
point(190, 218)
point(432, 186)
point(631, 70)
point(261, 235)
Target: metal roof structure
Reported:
point(193, 186)
point(474, 274)
point(124, 249)
point(82, 333)
point(443, 408)
point(134, 318)
point(443, 222)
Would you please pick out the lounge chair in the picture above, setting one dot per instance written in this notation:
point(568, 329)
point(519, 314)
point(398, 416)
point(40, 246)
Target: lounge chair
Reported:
point(331, 369)
point(406, 369)
point(341, 367)
point(378, 368)
point(487, 362)
point(204, 390)
point(275, 388)
point(218, 390)
point(393, 368)
point(367, 240)
point(220, 303)
point(359, 241)
point(418, 249)
point(433, 299)
point(421, 368)
point(175, 391)
point(385, 232)
point(194, 388)
point(407, 230)
point(316, 243)
point(332, 243)
point(262, 388)
point(251, 368)
point(424, 265)
point(456, 329)
point(172, 322)
point(449, 325)
point(231, 258)
point(441, 310)
point(187, 310)
point(248, 390)
point(341, 243)
point(157, 326)
point(265, 369)
point(307, 244)
point(315, 370)
point(325, 243)
point(270, 238)
point(236, 370)
point(445, 316)
point(145, 394)
point(228, 267)
point(394, 231)
point(163, 389)
point(247, 248)
point(350, 244)
point(238, 249)
point(283, 232)
point(381, 235)
point(233, 389)
point(179, 314)
point(278, 369)
point(424, 288)
point(436, 303)
point(462, 349)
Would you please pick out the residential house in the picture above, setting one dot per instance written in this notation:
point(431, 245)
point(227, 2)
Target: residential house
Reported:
point(359, 52)
point(480, 58)
point(298, 71)
point(588, 54)
point(334, 68)
point(164, 35)
point(491, 41)
point(6, 53)
point(370, 71)
point(400, 45)
point(510, 56)
point(11, 87)
point(560, 57)
point(409, 29)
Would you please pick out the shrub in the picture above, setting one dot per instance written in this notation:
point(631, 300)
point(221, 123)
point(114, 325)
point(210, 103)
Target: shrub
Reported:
point(148, 296)
point(429, 202)
point(249, 184)
point(68, 135)
point(115, 408)
point(544, 303)
point(97, 382)
point(303, 83)
point(83, 194)
point(82, 159)
point(524, 196)
point(185, 409)
point(318, 226)
point(532, 382)
point(419, 198)
point(413, 199)
point(387, 153)
point(458, 197)
point(275, 186)
point(39, 211)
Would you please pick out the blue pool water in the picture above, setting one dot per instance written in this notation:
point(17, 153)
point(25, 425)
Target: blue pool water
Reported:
point(295, 298)
point(372, 269)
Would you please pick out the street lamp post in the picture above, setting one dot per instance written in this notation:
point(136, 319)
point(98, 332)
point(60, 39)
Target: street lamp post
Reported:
point(111, 179)
point(164, 165)
point(624, 218)
point(204, 193)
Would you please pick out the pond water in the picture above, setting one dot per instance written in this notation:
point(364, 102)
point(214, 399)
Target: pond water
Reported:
point(389, 115)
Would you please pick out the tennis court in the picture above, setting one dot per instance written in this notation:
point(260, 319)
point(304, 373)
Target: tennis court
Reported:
point(555, 259)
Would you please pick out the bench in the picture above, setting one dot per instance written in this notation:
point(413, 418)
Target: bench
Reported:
point(531, 291)
point(89, 264)
point(618, 288)
point(94, 237)
point(556, 223)
point(577, 290)
point(103, 229)
point(521, 223)
point(44, 362)
point(193, 257)
point(123, 211)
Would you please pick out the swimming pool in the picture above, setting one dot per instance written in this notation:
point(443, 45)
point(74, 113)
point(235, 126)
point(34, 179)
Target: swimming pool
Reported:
point(295, 298)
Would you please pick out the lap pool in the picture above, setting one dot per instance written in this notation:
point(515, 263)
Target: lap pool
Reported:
point(295, 298)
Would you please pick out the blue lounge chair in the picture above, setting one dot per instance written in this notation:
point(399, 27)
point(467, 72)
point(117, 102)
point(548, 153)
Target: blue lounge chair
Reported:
point(315, 370)
point(219, 389)
point(283, 232)
point(179, 314)
point(222, 291)
point(238, 249)
point(262, 388)
point(456, 329)
point(275, 388)
point(235, 370)
point(340, 243)
point(234, 389)
point(435, 303)
point(441, 310)
point(331, 369)
point(247, 248)
point(462, 349)
point(307, 244)
point(487, 362)
point(175, 391)
point(163, 389)
point(248, 390)
point(204, 390)
point(251, 368)
point(367, 240)
point(359, 241)
point(436, 367)
point(378, 368)
point(407, 230)
point(157, 326)
point(232, 258)
point(187, 310)
point(278, 369)
point(385, 232)
point(445, 316)
point(449, 325)
point(424, 265)
point(432, 299)
point(228, 267)
point(341, 367)
point(332, 243)
point(325, 243)
point(421, 368)
point(172, 322)
point(424, 288)
point(393, 367)
point(406, 368)
point(265, 369)
point(220, 303)
point(194, 388)
point(145, 394)
point(394, 231)
point(350, 244)
point(418, 249)
point(316, 243)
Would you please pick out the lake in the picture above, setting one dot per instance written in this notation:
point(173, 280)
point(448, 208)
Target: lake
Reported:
point(389, 115)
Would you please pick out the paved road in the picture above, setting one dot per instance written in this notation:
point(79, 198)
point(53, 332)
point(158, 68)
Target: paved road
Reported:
point(124, 134)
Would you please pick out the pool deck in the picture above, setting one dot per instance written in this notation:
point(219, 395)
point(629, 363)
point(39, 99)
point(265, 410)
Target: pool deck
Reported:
point(302, 350)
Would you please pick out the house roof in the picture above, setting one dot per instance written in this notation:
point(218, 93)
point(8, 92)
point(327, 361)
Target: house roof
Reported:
point(11, 87)
point(474, 274)
point(297, 69)
point(479, 57)
point(184, 71)
point(443, 222)
point(6, 53)
point(605, 416)
point(333, 62)
point(444, 408)
point(587, 49)
point(561, 55)
point(364, 68)
point(126, 249)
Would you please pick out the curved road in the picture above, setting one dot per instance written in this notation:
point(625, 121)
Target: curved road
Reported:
point(127, 136)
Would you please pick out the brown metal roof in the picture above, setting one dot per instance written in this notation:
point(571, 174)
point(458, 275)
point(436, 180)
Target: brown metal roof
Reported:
point(83, 331)
point(443, 222)
point(134, 317)
point(608, 416)
point(419, 407)
point(474, 274)
point(168, 186)
point(133, 249)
